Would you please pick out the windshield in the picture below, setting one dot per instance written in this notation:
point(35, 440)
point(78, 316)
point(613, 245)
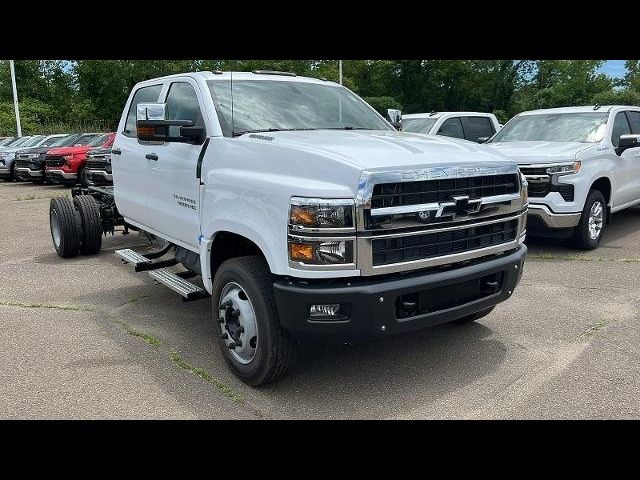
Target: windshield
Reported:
point(99, 140)
point(51, 141)
point(6, 141)
point(34, 141)
point(86, 138)
point(417, 125)
point(271, 105)
point(555, 127)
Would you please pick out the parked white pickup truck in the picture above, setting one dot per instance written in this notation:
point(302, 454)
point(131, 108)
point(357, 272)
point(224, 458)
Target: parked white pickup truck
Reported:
point(581, 163)
point(472, 126)
point(304, 212)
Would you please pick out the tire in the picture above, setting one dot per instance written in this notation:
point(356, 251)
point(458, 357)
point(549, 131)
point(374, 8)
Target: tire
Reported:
point(583, 235)
point(91, 225)
point(274, 351)
point(82, 177)
point(474, 316)
point(66, 229)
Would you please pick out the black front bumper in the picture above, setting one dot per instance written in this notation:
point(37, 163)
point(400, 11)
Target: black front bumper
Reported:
point(373, 306)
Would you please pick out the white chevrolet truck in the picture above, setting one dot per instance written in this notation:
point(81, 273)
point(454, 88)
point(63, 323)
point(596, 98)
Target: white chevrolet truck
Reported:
point(303, 212)
point(582, 164)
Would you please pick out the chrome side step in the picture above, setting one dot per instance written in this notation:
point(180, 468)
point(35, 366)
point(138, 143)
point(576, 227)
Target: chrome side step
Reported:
point(188, 290)
point(129, 256)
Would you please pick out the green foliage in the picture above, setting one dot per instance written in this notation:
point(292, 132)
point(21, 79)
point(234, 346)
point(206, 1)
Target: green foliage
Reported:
point(90, 94)
point(381, 104)
point(625, 96)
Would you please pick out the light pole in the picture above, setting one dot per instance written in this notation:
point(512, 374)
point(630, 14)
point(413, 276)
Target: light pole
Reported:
point(15, 97)
point(340, 71)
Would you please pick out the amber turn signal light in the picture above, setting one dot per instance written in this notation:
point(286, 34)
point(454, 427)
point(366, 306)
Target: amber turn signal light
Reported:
point(301, 251)
point(302, 216)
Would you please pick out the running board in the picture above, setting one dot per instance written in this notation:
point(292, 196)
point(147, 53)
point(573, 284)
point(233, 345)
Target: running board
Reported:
point(142, 263)
point(188, 290)
point(129, 256)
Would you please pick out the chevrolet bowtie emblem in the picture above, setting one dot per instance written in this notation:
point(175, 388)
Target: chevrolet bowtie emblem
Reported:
point(461, 205)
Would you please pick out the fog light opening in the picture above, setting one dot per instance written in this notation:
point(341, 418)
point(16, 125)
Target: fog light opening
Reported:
point(320, 312)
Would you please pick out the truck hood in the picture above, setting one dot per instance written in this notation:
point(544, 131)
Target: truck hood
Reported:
point(526, 153)
point(69, 150)
point(368, 149)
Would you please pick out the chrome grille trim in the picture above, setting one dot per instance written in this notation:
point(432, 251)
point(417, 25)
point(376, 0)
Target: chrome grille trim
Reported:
point(370, 178)
point(365, 249)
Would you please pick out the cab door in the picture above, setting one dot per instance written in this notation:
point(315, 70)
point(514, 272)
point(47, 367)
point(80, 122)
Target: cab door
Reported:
point(130, 168)
point(174, 201)
point(634, 121)
point(628, 163)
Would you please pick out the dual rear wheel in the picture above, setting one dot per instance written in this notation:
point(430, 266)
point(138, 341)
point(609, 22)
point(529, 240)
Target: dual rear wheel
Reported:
point(75, 225)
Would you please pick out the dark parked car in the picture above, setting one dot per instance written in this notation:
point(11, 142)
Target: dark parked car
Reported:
point(30, 163)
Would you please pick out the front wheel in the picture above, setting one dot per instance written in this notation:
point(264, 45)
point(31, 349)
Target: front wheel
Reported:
point(83, 177)
point(588, 233)
point(254, 345)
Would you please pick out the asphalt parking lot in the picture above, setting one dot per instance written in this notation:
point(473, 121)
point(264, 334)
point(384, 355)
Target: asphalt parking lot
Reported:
point(88, 338)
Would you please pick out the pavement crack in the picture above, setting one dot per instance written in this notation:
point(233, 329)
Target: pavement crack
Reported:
point(45, 305)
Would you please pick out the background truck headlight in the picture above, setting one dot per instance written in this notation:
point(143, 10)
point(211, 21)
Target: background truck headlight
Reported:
point(569, 168)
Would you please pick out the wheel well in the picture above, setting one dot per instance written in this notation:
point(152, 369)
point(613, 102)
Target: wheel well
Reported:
point(604, 185)
point(228, 245)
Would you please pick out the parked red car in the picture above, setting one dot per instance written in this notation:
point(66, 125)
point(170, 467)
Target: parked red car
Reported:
point(67, 164)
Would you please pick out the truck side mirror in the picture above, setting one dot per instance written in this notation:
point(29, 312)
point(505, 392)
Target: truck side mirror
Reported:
point(395, 118)
point(152, 126)
point(627, 141)
point(483, 139)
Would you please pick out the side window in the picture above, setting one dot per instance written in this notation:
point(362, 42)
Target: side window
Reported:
point(182, 104)
point(620, 127)
point(476, 127)
point(634, 120)
point(451, 127)
point(143, 95)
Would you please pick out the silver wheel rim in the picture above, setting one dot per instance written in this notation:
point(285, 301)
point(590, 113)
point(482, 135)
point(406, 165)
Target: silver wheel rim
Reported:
point(596, 218)
point(55, 228)
point(238, 323)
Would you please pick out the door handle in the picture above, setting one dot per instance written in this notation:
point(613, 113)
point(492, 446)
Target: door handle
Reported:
point(151, 156)
point(116, 151)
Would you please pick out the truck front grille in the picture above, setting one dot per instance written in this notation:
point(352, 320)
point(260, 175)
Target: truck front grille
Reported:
point(422, 246)
point(55, 161)
point(441, 190)
point(99, 165)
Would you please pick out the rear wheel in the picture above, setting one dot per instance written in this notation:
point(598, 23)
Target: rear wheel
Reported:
point(66, 228)
point(90, 223)
point(588, 233)
point(254, 345)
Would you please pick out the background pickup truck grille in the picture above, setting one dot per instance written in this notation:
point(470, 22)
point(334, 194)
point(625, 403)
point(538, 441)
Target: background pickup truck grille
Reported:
point(533, 170)
point(54, 161)
point(99, 165)
point(539, 190)
point(441, 190)
point(428, 245)
point(22, 163)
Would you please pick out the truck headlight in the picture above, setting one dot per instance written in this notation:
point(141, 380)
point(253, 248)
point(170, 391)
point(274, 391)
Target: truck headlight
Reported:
point(569, 168)
point(524, 189)
point(321, 214)
point(320, 251)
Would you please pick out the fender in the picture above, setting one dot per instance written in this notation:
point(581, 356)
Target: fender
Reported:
point(206, 244)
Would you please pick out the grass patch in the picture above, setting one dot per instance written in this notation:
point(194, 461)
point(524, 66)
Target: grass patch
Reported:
point(630, 260)
point(150, 339)
point(591, 331)
point(31, 196)
point(45, 305)
point(570, 257)
point(228, 391)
